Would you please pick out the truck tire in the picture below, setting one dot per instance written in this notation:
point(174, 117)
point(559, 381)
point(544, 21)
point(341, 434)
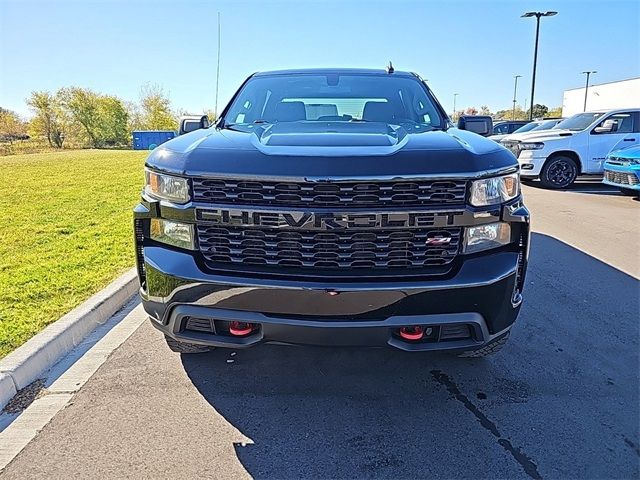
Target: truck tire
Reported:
point(559, 172)
point(494, 347)
point(184, 347)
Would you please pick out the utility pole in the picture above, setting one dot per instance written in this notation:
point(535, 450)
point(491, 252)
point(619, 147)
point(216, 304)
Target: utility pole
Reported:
point(515, 90)
point(218, 70)
point(586, 88)
point(455, 95)
point(535, 51)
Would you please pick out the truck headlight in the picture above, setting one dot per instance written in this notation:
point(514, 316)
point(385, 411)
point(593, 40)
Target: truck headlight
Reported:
point(490, 191)
point(484, 237)
point(531, 145)
point(172, 233)
point(166, 187)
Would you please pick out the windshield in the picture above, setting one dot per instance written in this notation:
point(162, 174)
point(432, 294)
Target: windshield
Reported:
point(546, 125)
point(579, 121)
point(527, 127)
point(345, 98)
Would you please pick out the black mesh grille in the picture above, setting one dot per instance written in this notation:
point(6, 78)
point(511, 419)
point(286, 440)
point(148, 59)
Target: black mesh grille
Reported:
point(330, 194)
point(199, 324)
point(621, 178)
point(423, 248)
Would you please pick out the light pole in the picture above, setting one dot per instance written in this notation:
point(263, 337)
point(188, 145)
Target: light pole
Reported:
point(586, 88)
point(535, 52)
point(515, 90)
point(455, 95)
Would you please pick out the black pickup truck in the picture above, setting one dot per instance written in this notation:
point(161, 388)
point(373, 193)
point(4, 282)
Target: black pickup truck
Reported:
point(332, 207)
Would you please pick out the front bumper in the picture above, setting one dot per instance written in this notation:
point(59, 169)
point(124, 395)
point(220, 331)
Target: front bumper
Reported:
point(484, 296)
point(477, 302)
point(624, 176)
point(531, 163)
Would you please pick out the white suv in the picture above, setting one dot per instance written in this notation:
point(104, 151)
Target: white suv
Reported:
point(576, 146)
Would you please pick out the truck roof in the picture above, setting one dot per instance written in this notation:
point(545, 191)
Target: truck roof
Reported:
point(339, 71)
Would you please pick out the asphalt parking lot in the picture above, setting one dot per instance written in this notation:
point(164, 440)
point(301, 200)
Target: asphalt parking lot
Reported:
point(560, 401)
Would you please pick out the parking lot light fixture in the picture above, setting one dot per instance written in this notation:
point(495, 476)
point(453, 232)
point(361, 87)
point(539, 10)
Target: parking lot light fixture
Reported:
point(455, 95)
point(515, 91)
point(586, 87)
point(538, 15)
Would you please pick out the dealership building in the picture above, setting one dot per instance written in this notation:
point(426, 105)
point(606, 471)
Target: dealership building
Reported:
point(602, 96)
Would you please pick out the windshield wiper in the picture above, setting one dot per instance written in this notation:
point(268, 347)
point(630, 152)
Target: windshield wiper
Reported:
point(230, 126)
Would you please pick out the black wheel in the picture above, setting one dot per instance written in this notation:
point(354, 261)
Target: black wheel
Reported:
point(184, 347)
point(494, 347)
point(559, 172)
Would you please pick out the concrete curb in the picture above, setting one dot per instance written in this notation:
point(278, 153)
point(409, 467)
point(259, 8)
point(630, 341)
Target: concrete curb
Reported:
point(28, 362)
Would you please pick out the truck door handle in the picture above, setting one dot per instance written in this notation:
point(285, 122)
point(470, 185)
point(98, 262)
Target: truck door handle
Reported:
point(629, 139)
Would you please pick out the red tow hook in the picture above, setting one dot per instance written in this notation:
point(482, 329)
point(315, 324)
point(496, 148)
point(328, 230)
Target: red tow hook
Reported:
point(240, 329)
point(412, 333)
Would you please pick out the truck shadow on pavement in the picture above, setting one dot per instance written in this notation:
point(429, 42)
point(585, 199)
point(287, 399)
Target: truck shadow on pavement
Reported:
point(562, 393)
point(582, 185)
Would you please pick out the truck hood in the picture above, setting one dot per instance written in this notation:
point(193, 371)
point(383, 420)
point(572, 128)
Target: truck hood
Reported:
point(329, 149)
point(543, 135)
point(630, 153)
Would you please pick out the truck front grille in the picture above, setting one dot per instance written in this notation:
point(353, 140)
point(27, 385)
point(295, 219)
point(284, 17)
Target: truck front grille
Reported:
point(621, 178)
point(423, 250)
point(330, 194)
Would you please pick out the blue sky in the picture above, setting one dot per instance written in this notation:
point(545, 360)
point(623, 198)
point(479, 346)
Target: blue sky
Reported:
point(470, 47)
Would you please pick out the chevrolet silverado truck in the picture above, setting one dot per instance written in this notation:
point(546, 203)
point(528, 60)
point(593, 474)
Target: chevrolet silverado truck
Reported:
point(332, 207)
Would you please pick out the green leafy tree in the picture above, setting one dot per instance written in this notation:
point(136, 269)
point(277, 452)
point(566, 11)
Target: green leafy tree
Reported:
point(484, 110)
point(554, 113)
point(49, 118)
point(155, 109)
point(540, 111)
point(12, 127)
point(103, 118)
point(508, 114)
point(82, 104)
point(113, 128)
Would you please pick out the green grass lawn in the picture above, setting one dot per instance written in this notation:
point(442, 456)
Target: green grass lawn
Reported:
point(65, 233)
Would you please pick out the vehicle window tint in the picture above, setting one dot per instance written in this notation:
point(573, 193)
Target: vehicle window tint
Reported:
point(624, 122)
point(579, 121)
point(501, 129)
point(397, 100)
point(317, 108)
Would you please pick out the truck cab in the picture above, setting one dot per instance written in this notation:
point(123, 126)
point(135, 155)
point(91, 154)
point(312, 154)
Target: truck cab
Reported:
point(578, 145)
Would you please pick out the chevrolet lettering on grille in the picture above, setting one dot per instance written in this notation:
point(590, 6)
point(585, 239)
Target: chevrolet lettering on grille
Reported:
point(325, 221)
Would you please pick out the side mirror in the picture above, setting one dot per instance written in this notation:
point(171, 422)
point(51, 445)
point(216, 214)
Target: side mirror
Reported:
point(608, 126)
point(193, 123)
point(482, 125)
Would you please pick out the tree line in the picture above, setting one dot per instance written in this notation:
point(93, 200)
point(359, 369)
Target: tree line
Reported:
point(81, 117)
point(539, 111)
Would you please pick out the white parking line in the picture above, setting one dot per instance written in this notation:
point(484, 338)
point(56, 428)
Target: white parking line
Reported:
point(70, 375)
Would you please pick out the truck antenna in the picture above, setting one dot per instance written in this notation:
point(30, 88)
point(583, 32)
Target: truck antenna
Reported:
point(217, 70)
point(390, 67)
